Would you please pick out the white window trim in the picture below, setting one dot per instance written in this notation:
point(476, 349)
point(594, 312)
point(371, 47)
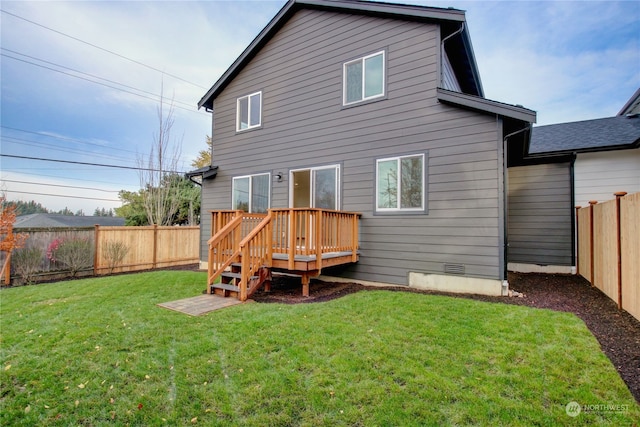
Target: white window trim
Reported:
point(398, 208)
point(233, 181)
point(248, 97)
point(362, 59)
point(313, 195)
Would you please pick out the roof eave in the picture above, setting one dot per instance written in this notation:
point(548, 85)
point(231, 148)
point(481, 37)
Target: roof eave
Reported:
point(629, 103)
point(633, 145)
point(486, 105)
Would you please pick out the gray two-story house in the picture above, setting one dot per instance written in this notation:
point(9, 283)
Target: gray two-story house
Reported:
point(371, 109)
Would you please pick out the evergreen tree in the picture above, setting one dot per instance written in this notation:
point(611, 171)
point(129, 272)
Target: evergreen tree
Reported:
point(25, 208)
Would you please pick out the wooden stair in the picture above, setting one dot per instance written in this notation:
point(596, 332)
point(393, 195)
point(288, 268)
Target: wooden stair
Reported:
point(230, 281)
point(245, 247)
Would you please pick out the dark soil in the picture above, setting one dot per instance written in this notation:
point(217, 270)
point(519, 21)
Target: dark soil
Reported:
point(617, 331)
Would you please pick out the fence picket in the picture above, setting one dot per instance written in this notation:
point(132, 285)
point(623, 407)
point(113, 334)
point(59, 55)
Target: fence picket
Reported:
point(149, 247)
point(609, 249)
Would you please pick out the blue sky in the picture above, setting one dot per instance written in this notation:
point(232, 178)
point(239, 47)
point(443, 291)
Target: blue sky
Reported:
point(568, 60)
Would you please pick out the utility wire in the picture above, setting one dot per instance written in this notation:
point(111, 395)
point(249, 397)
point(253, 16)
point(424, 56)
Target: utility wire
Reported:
point(32, 174)
point(87, 163)
point(63, 138)
point(28, 142)
point(60, 185)
point(103, 49)
point(88, 74)
point(61, 195)
point(93, 81)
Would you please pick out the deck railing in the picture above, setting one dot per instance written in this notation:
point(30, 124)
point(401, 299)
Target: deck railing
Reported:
point(224, 248)
point(293, 232)
point(256, 249)
point(312, 232)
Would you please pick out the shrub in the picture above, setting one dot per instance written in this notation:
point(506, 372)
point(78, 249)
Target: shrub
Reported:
point(114, 253)
point(74, 254)
point(26, 262)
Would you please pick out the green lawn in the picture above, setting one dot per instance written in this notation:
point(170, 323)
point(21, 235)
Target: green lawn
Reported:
point(99, 351)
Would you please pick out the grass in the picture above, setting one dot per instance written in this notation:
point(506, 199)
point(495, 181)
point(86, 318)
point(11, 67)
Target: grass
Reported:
point(99, 351)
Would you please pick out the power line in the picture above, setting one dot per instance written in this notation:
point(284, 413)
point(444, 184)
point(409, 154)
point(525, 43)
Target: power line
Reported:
point(87, 163)
point(64, 138)
point(93, 81)
point(61, 195)
point(27, 142)
point(87, 74)
point(60, 185)
point(32, 174)
point(103, 49)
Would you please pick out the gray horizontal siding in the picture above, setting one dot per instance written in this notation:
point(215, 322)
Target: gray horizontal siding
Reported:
point(540, 215)
point(305, 125)
point(449, 80)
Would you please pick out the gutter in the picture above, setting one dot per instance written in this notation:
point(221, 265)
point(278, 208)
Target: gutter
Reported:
point(207, 172)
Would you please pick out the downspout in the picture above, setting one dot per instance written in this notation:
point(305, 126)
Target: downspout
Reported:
point(505, 213)
point(574, 231)
point(442, 52)
point(458, 31)
point(192, 180)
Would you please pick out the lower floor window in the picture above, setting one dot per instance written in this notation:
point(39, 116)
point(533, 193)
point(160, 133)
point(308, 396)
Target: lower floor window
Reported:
point(400, 183)
point(251, 193)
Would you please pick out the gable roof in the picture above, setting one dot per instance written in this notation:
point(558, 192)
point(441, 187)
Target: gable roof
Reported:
point(449, 18)
point(611, 133)
point(42, 220)
point(632, 106)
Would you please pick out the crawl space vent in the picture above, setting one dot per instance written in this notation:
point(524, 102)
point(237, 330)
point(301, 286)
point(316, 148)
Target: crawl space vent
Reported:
point(454, 268)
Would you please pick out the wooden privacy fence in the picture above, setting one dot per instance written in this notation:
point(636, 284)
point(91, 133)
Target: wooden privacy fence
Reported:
point(609, 248)
point(147, 247)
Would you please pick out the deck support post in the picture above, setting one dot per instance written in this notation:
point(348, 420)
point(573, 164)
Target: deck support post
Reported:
point(306, 279)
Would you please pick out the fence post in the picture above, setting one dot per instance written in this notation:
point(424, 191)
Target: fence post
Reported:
point(96, 239)
point(619, 195)
point(6, 269)
point(155, 246)
point(577, 231)
point(592, 203)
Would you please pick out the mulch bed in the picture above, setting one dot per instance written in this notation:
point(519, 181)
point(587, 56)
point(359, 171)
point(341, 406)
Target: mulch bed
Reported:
point(617, 331)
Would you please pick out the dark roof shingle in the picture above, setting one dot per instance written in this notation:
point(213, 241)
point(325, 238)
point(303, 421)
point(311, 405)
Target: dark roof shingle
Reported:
point(42, 220)
point(606, 134)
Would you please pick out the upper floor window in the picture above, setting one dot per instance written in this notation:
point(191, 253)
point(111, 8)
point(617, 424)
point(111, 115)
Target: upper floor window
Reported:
point(400, 183)
point(364, 78)
point(249, 111)
point(251, 193)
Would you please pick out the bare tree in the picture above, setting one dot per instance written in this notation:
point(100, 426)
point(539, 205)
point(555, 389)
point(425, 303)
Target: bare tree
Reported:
point(158, 171)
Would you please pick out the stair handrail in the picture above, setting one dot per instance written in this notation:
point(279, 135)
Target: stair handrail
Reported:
point(230, 227)
point(253, 258)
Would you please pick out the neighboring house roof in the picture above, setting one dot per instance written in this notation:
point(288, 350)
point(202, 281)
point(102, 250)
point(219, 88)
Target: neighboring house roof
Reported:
point(42, 220)
point(632, 106)
point(612, 133)
point(451, 21)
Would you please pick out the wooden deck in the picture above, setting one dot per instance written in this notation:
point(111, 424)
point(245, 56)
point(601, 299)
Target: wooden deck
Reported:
point(295, 241)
